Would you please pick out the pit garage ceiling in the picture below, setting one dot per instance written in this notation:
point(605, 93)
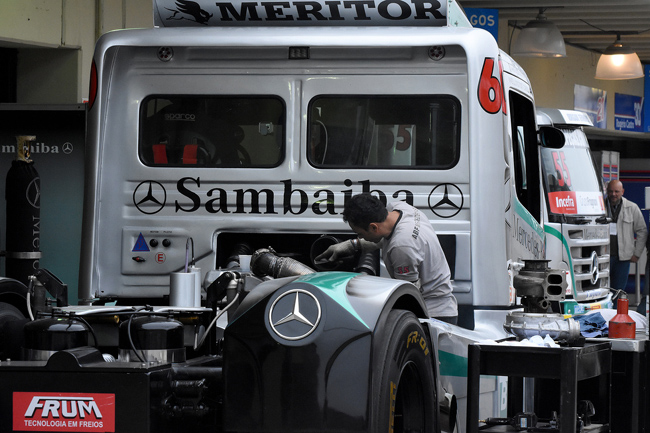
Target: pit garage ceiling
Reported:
point(588, 24)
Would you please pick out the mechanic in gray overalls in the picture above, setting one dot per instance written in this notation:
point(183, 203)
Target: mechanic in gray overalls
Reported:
point(409, 245)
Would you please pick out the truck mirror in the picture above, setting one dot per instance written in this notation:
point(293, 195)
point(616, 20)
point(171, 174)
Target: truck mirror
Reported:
point(551, 137)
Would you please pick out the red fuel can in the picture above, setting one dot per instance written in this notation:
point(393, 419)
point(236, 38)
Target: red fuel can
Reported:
point(622, 325)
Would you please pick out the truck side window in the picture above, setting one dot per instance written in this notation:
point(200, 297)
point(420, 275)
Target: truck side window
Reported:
point(212, 131)
point(524, 144)
point(400, 131)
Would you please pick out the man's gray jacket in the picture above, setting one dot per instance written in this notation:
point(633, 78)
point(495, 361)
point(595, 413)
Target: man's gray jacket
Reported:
point(630, 222)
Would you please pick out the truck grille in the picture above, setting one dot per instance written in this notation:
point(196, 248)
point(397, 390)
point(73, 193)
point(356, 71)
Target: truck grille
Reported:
point(589, 248)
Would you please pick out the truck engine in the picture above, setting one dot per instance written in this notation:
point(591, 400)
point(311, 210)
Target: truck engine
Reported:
point(274, 346)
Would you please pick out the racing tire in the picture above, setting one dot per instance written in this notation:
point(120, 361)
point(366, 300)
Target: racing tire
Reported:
point(11, 323)
point(404, 384)
point(9, 313)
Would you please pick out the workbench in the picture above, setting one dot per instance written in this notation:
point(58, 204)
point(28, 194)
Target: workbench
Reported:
point(629, 385)
point(566, 364)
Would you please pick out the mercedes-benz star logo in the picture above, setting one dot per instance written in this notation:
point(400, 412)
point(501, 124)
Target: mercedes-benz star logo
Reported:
point(149, 197)
point(33, 193)
point(593, 271)
point(446, 200)
point(295, 314)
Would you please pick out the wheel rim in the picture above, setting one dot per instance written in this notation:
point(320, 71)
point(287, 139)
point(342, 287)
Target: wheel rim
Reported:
point(409, 401)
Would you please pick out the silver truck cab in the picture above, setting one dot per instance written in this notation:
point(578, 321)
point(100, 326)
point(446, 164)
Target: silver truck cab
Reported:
point(577, 236)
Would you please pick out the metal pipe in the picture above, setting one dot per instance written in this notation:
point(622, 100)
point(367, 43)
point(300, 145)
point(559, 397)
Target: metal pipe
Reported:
point(368, 263)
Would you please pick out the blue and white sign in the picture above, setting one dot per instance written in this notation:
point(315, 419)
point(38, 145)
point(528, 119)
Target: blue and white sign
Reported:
point(593, 102)
point(486, 19)
point(628, 112)
point(646, 99)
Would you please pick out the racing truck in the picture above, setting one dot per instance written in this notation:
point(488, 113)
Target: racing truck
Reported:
point(222, 145)
point(577, 235)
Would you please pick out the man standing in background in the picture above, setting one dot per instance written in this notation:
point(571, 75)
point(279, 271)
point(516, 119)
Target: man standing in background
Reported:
point(627, 222)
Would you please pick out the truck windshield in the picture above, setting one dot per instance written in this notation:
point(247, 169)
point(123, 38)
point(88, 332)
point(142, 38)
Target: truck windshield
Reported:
point(570, 178)
point(212, 131)
point(400, 131)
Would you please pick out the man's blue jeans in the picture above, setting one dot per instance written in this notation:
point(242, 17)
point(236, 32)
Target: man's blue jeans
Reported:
point(618, 272)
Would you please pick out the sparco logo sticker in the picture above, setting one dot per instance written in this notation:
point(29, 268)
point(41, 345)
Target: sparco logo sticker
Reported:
point(70, 412)
point(181, 13)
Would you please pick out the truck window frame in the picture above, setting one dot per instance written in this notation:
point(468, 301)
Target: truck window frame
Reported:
point(237, 136)
point(525, 153)
point(390, 125)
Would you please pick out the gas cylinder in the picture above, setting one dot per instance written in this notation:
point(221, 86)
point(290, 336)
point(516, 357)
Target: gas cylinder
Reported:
point(622, 325)
point(23, 196)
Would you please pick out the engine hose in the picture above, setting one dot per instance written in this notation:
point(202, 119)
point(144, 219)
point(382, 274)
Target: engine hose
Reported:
point(368, 263)
point(266, 262)
point(199, 343)
point(240, 249)
point(320, 245)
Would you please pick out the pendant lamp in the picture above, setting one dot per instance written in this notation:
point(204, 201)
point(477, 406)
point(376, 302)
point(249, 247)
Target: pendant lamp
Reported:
point(539, 38)
point(618, 63)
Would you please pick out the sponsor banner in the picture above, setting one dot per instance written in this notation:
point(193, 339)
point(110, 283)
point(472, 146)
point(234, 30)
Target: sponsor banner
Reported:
point(486, 19)
point(185, 13)
point(646, 98)
point(593, 102)
point(151, 197)
point(628, 112)
point(70, 412)
point(576, 203)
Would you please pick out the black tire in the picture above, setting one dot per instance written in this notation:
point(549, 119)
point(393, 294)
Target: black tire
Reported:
point(11, 335)
point(9, 313)
point(404, 384)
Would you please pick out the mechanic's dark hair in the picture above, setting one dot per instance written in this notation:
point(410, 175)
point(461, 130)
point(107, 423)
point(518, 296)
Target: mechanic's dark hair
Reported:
point(363, 209)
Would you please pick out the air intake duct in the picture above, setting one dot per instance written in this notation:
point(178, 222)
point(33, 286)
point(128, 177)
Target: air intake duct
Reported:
point(265, 262)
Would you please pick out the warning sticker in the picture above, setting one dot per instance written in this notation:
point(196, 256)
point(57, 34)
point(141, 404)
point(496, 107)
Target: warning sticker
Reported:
point(140, 244)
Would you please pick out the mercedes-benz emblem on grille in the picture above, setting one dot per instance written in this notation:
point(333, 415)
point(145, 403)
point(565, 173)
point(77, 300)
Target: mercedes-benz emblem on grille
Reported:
point(295, 314)
point(593, 271)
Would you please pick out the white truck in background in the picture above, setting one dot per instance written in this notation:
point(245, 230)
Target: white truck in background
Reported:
point(577, 233)
point(220, 155)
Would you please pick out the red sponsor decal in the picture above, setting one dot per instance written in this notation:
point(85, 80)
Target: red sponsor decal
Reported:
point(563, 202)
point(71, 412)
point(403, 270)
